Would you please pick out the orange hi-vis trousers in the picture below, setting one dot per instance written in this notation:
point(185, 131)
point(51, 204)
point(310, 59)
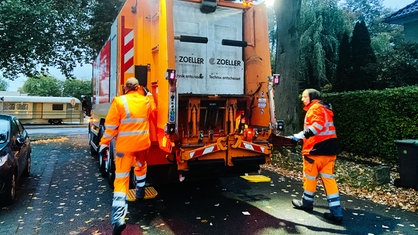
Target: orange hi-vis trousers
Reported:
point(323, 166)
point(123, 164)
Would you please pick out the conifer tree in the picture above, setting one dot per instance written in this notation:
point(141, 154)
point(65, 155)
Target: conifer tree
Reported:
point(363, 59)
point(344, 68)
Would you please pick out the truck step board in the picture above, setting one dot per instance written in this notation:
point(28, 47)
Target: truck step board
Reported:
point(256, 178)
point(150, 193)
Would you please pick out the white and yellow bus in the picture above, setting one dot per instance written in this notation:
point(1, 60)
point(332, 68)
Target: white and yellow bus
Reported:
point(43, 109)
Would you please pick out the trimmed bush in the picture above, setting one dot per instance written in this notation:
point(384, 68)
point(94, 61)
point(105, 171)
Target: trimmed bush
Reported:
point(368, 122)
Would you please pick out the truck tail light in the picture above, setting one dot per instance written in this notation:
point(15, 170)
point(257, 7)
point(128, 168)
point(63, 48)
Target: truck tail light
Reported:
point(249, 134)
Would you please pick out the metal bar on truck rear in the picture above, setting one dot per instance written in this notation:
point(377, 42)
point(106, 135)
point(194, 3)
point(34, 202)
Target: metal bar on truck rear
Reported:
point(194, 39)
point(235, 43)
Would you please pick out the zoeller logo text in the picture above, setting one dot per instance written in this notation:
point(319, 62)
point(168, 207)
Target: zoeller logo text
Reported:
point(191, 60)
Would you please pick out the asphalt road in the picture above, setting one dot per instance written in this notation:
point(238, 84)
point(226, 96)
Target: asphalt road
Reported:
point(65, 194)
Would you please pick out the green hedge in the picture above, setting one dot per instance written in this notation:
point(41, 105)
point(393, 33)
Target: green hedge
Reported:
point(368, 122)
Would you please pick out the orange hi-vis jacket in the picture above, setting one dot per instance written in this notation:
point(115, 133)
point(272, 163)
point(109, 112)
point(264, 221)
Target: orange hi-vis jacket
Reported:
point(319, 130)
point(128, 122)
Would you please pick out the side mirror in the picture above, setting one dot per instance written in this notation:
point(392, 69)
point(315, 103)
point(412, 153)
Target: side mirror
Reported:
point(21, 138)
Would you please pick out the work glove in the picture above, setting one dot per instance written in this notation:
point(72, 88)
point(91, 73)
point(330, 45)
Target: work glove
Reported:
point(103, 149)
point(146, 91)
point(298, 136)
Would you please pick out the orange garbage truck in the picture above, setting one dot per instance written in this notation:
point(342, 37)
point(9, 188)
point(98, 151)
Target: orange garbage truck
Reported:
point(207, 64)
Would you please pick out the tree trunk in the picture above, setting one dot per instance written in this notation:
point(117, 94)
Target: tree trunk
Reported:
point(287, 100)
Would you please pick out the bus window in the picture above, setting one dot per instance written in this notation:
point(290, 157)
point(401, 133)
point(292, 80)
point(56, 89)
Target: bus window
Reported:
point(57, 107)
point(9, 106)
point(22, 106)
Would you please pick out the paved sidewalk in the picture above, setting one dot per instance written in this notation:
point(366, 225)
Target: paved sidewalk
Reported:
point(360, 216)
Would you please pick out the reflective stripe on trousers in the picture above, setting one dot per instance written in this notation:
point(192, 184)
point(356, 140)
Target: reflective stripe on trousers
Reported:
point(123, 164)
point(119, 208)
point(323, 166)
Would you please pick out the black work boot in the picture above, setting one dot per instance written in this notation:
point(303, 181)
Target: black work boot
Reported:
point(333, 218)
point(335, 215)
point(300, 205)
point(118, 228)
point(140, 192)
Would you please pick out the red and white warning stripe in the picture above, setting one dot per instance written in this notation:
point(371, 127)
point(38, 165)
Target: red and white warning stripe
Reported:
point(252, 147)
point(203, 151)
point(127, 49)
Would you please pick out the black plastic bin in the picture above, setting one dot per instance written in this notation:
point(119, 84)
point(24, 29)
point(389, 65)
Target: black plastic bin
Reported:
point(408, 163)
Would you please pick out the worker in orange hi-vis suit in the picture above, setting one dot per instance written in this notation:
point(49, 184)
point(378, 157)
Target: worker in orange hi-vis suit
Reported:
point(319, 150)
point(128, 122)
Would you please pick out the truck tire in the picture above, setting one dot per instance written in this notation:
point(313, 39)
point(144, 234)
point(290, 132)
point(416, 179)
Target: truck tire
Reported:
point(93, 152)
point(102, 166)
point(111, 165)
point(101, 162)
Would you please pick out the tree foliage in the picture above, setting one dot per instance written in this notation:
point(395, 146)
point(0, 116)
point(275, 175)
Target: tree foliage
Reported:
point(38, 34)
point(3, 85)
point(369, 11)
point(322, 25)
point(322, 28)
point(41, 33)
point(50, 86)
point(344, 65)
point(76, 88)
point(103, 14)
point(42, 86)
point(398, 67)
point(363, 59)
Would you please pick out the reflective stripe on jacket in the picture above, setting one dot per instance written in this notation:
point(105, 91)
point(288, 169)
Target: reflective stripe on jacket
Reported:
point(128, 122)
point(319, 121)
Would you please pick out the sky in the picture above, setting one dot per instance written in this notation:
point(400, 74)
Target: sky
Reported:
point(85, 72)
point(396, 4)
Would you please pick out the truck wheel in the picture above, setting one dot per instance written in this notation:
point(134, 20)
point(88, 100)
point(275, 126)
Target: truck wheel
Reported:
point(111, 165)
point(93, 152)
point(102, 166)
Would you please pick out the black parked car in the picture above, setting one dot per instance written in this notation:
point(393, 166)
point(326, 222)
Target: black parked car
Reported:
point(15, 151)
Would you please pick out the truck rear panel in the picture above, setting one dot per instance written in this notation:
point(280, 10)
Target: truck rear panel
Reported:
point(208, 68)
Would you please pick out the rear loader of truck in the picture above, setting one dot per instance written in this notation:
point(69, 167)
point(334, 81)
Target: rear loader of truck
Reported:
point(207, 64)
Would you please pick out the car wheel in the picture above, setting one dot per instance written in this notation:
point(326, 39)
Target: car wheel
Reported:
point(26, 172)
point(11, 189)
